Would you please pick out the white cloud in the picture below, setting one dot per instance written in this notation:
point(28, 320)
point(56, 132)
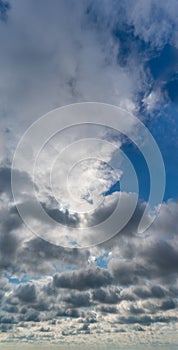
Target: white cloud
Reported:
point(44, 66)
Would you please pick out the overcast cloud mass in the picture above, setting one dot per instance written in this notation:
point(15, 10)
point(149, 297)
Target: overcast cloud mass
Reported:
point(58, 290)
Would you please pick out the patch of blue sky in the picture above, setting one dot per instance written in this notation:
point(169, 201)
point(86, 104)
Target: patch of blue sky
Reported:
point(130, 44)
point(165, 131)
point(112, 189)
point(140, 166)
point(15, 280)
point(102, 261)
point(162, 121)
point(164, 62)
point(64, 267)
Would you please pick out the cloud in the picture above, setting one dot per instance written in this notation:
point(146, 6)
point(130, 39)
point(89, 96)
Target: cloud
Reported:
point(20, 250)
point(77, 299)
point(139, 20)
point(83, 279)
point(106, 296)
point(67, 64)
point(153, 292)
point(65, 53)
point(150, 259)
point(26, 293)
point(127, 272)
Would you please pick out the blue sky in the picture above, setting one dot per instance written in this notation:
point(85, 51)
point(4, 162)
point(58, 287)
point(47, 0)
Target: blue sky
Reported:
point(71, 274)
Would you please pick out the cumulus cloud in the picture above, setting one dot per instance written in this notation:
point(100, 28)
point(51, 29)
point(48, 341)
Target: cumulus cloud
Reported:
point(57, 68)
point(134, 260)
point(64, 53)
point(83, 279)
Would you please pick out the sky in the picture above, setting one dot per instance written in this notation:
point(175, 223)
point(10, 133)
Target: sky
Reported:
point(88, 174)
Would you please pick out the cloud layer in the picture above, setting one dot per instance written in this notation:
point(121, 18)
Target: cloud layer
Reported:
point(123, 290)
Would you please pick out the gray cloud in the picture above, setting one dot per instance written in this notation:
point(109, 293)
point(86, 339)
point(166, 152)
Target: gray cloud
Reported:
point(155, 259)
point(146, 320)
point(168, 305)
point(83, 279)
point(20, 251)
point(26, 293)
point(106, 296)
point(77, 299)
point(108, 309)
point(163, 256)
point(153, 292)
point(128, 272)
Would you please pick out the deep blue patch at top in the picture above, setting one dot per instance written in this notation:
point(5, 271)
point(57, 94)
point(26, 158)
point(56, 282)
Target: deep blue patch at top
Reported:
point(164, 62)
point(171, 87)
point(164, 129)
point(141, 168)
point(164, 69)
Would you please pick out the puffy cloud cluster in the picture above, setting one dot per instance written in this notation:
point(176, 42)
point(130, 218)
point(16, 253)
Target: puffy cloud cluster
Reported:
point(137, 288)
point(45, 284)
point(88, 57)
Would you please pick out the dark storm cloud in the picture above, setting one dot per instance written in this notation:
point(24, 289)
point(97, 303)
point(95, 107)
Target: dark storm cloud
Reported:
point(21, 179)
point(30, 209)
point(107, 309)
point(106, 296)
point(93, 277)
point(30, 316)
point(26, 293)
point(9, 241)
point(26, 303)
point(67, 312)
point(21, 252)
point(12, 309)
point(146, 320)
point(34, 254)
point(29, 303)
point(136, 310)
point(5, 179)
point(77, 299)
point(153, 292)
point(38, 253)
point(163, 256)
point(127, 272)
point(152, 258)
point(123, 237)
point(7, 319)
point(168, 305)
point(6, 327)
point(24, 183)
point(158, 292)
